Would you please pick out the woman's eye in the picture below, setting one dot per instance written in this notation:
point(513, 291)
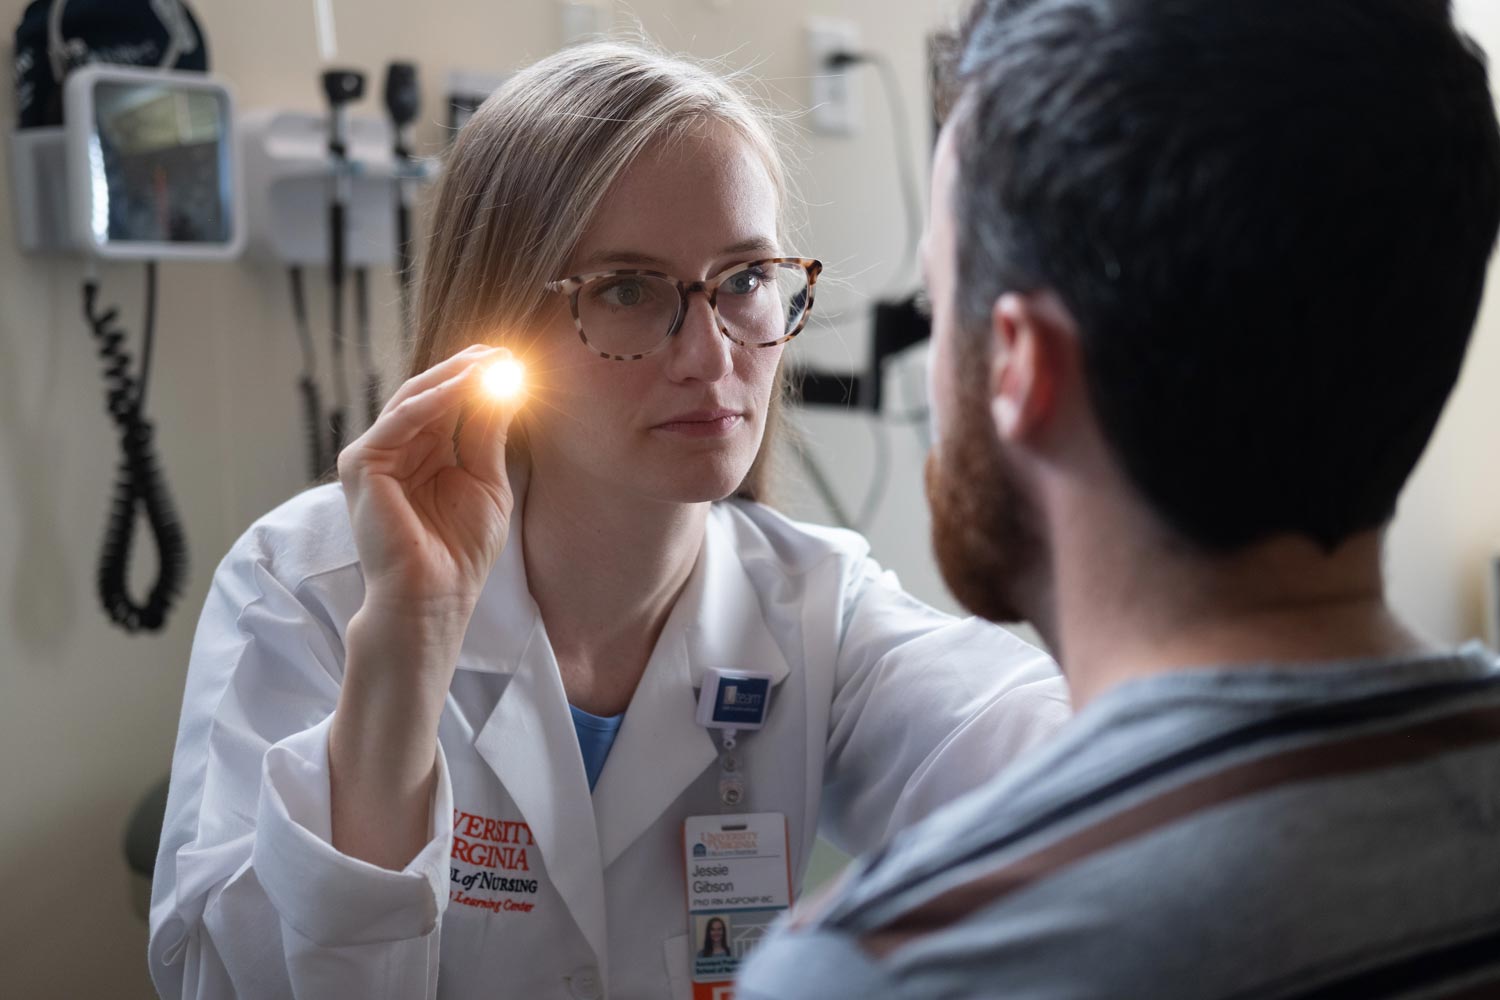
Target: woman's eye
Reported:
point(745, 282)
point(621, 292)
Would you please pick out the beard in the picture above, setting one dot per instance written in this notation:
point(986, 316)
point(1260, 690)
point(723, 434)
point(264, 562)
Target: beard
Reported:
point(986, 528)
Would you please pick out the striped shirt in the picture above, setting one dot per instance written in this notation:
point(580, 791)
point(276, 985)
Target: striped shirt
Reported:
point(1322, 831)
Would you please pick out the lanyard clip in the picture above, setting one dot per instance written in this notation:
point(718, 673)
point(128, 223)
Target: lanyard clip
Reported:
point(732, 700)
point(731, 780)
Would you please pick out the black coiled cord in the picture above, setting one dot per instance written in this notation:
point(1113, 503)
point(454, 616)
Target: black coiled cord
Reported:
point(140, 482)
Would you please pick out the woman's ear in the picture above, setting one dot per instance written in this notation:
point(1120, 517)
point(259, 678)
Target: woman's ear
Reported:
point(1035, 344)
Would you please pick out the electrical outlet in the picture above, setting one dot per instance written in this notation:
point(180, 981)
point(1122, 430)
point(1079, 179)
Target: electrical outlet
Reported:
point(835, 92)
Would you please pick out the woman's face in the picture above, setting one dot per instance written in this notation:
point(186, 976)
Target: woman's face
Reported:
point(716, 931)
point(683, 424)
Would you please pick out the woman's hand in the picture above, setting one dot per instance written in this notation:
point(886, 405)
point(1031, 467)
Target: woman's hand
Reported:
point(429, 523)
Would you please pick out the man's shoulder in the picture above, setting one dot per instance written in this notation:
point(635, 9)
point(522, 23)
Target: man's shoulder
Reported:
point(1201, 771)
point(1184, 831)
point(843, 936)
point(847, 932)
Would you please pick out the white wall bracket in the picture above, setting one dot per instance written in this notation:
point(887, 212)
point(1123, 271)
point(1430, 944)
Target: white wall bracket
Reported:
point(288, 173)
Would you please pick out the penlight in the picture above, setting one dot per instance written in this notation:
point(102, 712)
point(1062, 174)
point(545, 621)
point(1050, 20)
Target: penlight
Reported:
point(504, 379)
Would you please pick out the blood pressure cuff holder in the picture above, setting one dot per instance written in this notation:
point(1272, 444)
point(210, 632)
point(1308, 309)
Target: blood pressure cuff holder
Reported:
point(161, 34)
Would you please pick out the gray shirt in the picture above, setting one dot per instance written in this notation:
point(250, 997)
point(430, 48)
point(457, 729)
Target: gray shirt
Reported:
point(1291, 831)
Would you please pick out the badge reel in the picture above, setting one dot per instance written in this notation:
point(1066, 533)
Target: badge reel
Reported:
point(731, 701)
point(738, 872)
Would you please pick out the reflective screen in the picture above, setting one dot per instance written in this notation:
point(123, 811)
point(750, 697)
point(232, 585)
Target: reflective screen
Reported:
point(159, 164)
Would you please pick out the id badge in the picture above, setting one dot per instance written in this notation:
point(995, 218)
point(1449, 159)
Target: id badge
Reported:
point(739, 880)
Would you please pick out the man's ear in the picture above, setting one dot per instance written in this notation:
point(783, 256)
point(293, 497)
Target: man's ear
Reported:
point(1035, 344)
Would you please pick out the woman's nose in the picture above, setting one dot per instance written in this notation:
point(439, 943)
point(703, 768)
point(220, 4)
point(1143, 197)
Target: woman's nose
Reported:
point(699, 352)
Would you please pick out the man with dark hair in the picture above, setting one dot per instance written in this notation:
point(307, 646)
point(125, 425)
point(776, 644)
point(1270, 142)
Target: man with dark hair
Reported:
point(1203, 275)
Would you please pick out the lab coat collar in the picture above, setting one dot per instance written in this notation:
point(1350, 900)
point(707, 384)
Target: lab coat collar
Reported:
point(724, 621)
point(503, 620)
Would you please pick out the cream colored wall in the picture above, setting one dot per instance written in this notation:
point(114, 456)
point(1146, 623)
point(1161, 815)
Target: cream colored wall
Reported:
point(1448, 527)
point(87, 715)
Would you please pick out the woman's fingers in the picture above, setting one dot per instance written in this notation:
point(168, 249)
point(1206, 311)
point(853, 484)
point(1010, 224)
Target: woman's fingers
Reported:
point(403, 421)
point(415, 414)
point(442, 371)
point(482, 437)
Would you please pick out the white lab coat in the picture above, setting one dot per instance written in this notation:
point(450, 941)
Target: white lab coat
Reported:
point(882, 708)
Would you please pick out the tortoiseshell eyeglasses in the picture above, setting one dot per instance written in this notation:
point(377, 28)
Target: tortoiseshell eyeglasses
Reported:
point(627, 315)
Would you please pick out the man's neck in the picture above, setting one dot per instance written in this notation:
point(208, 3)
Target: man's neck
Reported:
point(1128, 610)
point(605, 570)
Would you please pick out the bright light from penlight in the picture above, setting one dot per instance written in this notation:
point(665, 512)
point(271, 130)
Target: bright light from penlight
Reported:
point(503, 379)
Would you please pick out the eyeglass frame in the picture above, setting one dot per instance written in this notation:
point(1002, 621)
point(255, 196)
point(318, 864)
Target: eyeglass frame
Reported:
point(709, 287)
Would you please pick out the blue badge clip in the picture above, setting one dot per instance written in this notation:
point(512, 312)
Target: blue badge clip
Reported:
point(734, 699)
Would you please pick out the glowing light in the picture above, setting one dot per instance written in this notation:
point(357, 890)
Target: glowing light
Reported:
point(504, 379)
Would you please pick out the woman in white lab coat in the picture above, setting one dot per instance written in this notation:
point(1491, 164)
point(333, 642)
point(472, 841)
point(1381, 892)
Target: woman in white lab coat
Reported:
point(386, 781)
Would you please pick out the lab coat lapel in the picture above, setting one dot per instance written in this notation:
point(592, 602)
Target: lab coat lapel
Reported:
point(660, 750)
point(530, 744)
point(529, 740)
point(504, 617)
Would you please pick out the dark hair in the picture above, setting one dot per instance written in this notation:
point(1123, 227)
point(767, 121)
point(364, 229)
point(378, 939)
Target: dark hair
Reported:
point(1270, 220)
point(708, 940)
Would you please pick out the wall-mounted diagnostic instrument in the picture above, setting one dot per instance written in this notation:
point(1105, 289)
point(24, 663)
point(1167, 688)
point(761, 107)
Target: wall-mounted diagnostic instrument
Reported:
point(141, 167)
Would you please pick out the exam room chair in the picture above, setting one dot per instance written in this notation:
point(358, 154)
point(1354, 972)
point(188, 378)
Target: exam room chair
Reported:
point(142, 835)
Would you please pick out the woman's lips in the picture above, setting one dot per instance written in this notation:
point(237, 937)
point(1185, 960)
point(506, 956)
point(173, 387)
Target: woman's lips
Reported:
point(702, 424)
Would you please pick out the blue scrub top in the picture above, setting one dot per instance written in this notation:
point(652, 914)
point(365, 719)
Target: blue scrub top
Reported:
point(595, 736)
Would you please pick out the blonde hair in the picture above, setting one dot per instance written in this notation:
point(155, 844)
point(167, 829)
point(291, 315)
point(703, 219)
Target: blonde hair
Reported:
point(528, 171)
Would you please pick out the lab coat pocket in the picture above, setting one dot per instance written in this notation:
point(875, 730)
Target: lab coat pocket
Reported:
point(675, 951)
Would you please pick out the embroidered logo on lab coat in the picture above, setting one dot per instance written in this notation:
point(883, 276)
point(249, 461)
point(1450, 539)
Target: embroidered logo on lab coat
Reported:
point(492, 864)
